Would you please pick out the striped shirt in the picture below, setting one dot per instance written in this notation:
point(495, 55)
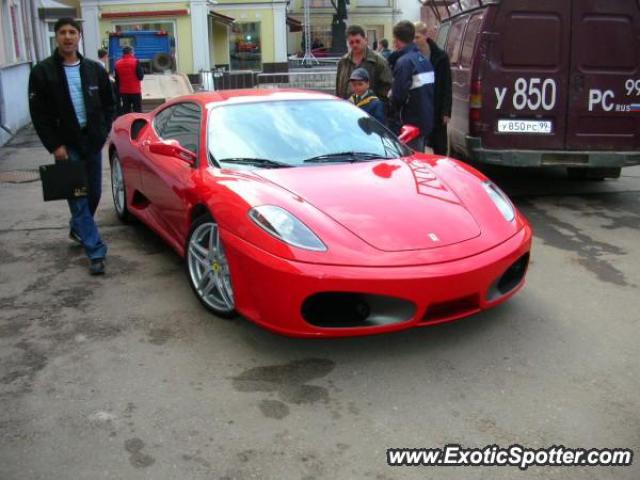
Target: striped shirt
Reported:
point(75, 91)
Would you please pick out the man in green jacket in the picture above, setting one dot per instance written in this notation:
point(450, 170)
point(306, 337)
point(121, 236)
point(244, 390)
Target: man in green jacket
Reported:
point(361, 56)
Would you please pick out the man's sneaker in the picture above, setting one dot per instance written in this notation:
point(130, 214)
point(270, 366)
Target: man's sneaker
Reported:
point(75, 237)
point(97, 266)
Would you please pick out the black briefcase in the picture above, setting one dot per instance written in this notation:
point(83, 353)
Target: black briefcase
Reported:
point(63, 180)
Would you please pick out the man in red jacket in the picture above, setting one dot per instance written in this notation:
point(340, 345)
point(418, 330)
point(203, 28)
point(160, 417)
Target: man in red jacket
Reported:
point(129, 74)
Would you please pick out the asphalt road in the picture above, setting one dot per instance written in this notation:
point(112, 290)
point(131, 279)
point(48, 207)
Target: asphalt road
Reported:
point(127, 377)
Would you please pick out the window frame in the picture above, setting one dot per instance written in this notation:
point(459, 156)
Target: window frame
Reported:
point(231, 37)
point(454, 55)
point(443, 38)
point(168, 108)
point(173, 32)
point(479, 17)
point(14, 40)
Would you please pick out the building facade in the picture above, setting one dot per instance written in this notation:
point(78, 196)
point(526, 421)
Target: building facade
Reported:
point(233, 34)
point(26, 37)
point(377, 17)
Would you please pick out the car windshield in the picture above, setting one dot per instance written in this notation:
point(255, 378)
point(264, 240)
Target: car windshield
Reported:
point(291, 133)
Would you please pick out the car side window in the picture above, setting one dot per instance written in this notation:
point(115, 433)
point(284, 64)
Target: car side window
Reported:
point(470, 38)
point(454, 45)
point(161, 120)
point(184, 126)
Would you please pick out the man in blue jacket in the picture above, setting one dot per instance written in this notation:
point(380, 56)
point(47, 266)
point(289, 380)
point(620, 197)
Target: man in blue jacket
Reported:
point(412, 90)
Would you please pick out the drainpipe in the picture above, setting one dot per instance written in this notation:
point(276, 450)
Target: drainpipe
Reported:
point(37, 33)
point(27, 15)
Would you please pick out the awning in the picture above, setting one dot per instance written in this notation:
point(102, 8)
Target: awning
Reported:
point(52, 10)
point(293, 24)
point(220, 18)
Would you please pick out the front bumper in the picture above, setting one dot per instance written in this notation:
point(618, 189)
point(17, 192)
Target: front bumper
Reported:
point(548, 158)
point(271, 291)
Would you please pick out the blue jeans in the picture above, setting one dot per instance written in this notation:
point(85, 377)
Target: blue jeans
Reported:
point(83, 208)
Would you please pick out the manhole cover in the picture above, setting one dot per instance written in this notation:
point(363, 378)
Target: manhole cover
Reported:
point(19, 176)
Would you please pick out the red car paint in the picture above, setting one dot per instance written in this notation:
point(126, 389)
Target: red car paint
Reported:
point(375, 218)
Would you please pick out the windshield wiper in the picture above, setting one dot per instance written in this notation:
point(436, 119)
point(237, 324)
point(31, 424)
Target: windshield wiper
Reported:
point(259, 162)
point(349, 156)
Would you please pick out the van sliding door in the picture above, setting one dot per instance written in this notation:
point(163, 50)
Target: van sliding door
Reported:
point(526, 75)
point(605, 76)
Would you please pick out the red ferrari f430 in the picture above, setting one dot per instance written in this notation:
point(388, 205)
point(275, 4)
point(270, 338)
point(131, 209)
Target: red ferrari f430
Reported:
point(303, 214)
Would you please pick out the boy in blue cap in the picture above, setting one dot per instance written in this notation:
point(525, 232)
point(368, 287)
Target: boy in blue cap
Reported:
point(363, 97)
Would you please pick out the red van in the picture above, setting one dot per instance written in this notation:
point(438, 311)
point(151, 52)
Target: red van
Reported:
point(544, 82)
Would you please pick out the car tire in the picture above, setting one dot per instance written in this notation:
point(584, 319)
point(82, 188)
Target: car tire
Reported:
point(207, 267)
point(118, 189)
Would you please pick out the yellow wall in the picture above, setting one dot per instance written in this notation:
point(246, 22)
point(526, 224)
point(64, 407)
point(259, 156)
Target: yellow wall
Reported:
point(183, 27)
point(220, 45)
point(366, 20)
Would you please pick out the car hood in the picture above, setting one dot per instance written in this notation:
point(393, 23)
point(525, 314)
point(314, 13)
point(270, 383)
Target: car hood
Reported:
point(395, 205)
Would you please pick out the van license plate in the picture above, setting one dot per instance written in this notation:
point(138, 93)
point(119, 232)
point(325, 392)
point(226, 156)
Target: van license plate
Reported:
point(525, 126)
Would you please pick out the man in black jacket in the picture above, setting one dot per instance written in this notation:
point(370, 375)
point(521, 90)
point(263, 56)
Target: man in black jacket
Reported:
point(72, 108)
point(438, 140)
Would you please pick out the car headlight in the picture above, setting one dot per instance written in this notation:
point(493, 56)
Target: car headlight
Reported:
point(283, 225)
point(500, 200)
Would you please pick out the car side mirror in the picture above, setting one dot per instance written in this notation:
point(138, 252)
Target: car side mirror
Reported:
point(408, 133)
point(172, 148)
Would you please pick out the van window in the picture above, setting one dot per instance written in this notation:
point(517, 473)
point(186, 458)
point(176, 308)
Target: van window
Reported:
point(537, 34)
point(443, 32)
point(455, 40)
point(470, 38)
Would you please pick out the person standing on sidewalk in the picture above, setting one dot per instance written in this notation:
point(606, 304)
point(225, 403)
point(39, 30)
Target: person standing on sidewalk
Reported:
point(71, 105)
point(129, 75)
point(384, 48)
point(411, 97)
point(103, 58)
point(438, 139)
point(361, 56)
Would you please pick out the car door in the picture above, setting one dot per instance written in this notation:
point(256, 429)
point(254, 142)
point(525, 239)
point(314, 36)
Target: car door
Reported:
point(168, 181)
point(525, 75)
point(605, 76)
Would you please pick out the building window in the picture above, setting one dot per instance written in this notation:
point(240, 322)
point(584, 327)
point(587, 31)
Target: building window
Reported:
point(51, 37)
point(245, 46)
point(375, 33)
point(15, 26)
point(12, 34)
point(148, 25)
